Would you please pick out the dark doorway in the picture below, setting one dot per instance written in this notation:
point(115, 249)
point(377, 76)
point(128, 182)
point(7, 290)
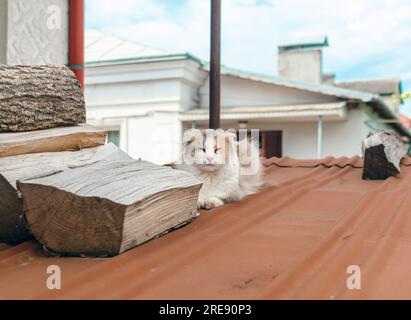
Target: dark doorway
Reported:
point(271, 143)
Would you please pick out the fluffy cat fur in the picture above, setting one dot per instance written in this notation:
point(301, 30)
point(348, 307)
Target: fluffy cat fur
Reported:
point(217, 164)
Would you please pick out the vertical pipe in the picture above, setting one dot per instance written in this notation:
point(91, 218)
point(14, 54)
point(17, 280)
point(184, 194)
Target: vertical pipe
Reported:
point(76, 39)
point(320, 137)
point(215, 65)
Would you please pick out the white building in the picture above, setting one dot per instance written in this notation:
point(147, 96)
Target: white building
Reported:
point(146, 98)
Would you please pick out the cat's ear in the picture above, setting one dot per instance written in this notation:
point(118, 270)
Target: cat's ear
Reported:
point(191, 135)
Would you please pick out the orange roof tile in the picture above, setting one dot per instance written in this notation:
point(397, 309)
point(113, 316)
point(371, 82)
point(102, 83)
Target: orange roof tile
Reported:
point(295, 239)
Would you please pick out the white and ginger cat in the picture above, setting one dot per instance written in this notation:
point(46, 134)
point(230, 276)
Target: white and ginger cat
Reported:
point(216, 158)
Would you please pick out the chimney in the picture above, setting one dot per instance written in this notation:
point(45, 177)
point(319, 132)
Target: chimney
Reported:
point(302, 61)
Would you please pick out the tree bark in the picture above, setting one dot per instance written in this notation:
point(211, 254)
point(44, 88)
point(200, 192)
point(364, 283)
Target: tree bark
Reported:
point(382, 154)
point(13, 228)
point(107, 208)
point(39, 97)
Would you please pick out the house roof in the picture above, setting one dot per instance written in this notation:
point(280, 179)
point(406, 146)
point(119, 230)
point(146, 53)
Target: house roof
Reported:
point(301, 85)
point(333, 110)
point(294, 239)
point(386, 86)
point(101, 46)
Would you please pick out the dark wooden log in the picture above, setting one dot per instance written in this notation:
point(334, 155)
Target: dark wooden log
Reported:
point(39, 97)
point(107, 208)
point(382, 154)
point(51, 140)
point(13, 228)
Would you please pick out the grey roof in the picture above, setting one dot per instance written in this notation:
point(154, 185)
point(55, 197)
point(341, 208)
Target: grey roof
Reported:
point(101, 46)
point(301, 85)
point(386, 86)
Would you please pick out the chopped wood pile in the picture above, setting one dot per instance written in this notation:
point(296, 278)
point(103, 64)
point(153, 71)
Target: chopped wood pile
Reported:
point(64, 186)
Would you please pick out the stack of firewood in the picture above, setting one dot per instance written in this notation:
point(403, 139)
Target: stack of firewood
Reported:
point(60, 183)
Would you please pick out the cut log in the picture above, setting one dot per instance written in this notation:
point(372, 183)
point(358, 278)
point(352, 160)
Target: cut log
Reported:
point(51, 140)
point(107, 208)
point(13, 228)
point(382, 154)
point(39, 97)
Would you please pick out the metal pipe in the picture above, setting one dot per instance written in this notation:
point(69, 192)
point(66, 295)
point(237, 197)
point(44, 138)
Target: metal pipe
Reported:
point(320, 137)
point(215, 64)
point(76, 39)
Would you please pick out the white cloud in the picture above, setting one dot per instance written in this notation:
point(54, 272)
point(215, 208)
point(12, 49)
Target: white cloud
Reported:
point(368, 38)
point(103, 13)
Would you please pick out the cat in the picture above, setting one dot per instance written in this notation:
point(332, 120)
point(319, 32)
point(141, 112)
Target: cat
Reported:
point(215, 157)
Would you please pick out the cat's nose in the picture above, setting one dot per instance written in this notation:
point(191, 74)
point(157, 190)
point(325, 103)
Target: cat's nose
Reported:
point(209, 158)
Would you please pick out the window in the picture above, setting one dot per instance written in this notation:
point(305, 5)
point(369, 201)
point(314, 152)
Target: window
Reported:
point(114, 137)
point(271, 143)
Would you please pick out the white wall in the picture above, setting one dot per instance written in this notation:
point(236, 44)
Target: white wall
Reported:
point(28, 37)
point(155, 137)
point(134, 97)
point(143, 101)
point(242, 92)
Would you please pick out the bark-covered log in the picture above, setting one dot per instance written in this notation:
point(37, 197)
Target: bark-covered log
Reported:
point(51, 140)
point(39, 97)
point(24, 167)
point(382, 154)
point(107, 208)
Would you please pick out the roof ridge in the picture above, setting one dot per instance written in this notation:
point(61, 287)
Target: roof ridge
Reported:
point(328, 162)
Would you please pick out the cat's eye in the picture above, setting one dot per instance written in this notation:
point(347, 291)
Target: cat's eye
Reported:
point(216, 150)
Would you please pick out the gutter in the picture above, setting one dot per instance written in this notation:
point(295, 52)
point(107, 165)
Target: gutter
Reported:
point(76, 39)
point(156, 58)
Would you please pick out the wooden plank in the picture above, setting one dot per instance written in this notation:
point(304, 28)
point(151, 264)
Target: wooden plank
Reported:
point(109, 207)
point(382, 154)
point(39, 97)
point(51, 140)
point(24, 167)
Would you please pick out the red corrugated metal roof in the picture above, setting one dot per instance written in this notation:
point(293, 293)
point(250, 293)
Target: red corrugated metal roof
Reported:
point(295, 239)
point(406, 121)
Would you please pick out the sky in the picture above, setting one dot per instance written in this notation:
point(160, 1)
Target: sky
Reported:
point(367, 38)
